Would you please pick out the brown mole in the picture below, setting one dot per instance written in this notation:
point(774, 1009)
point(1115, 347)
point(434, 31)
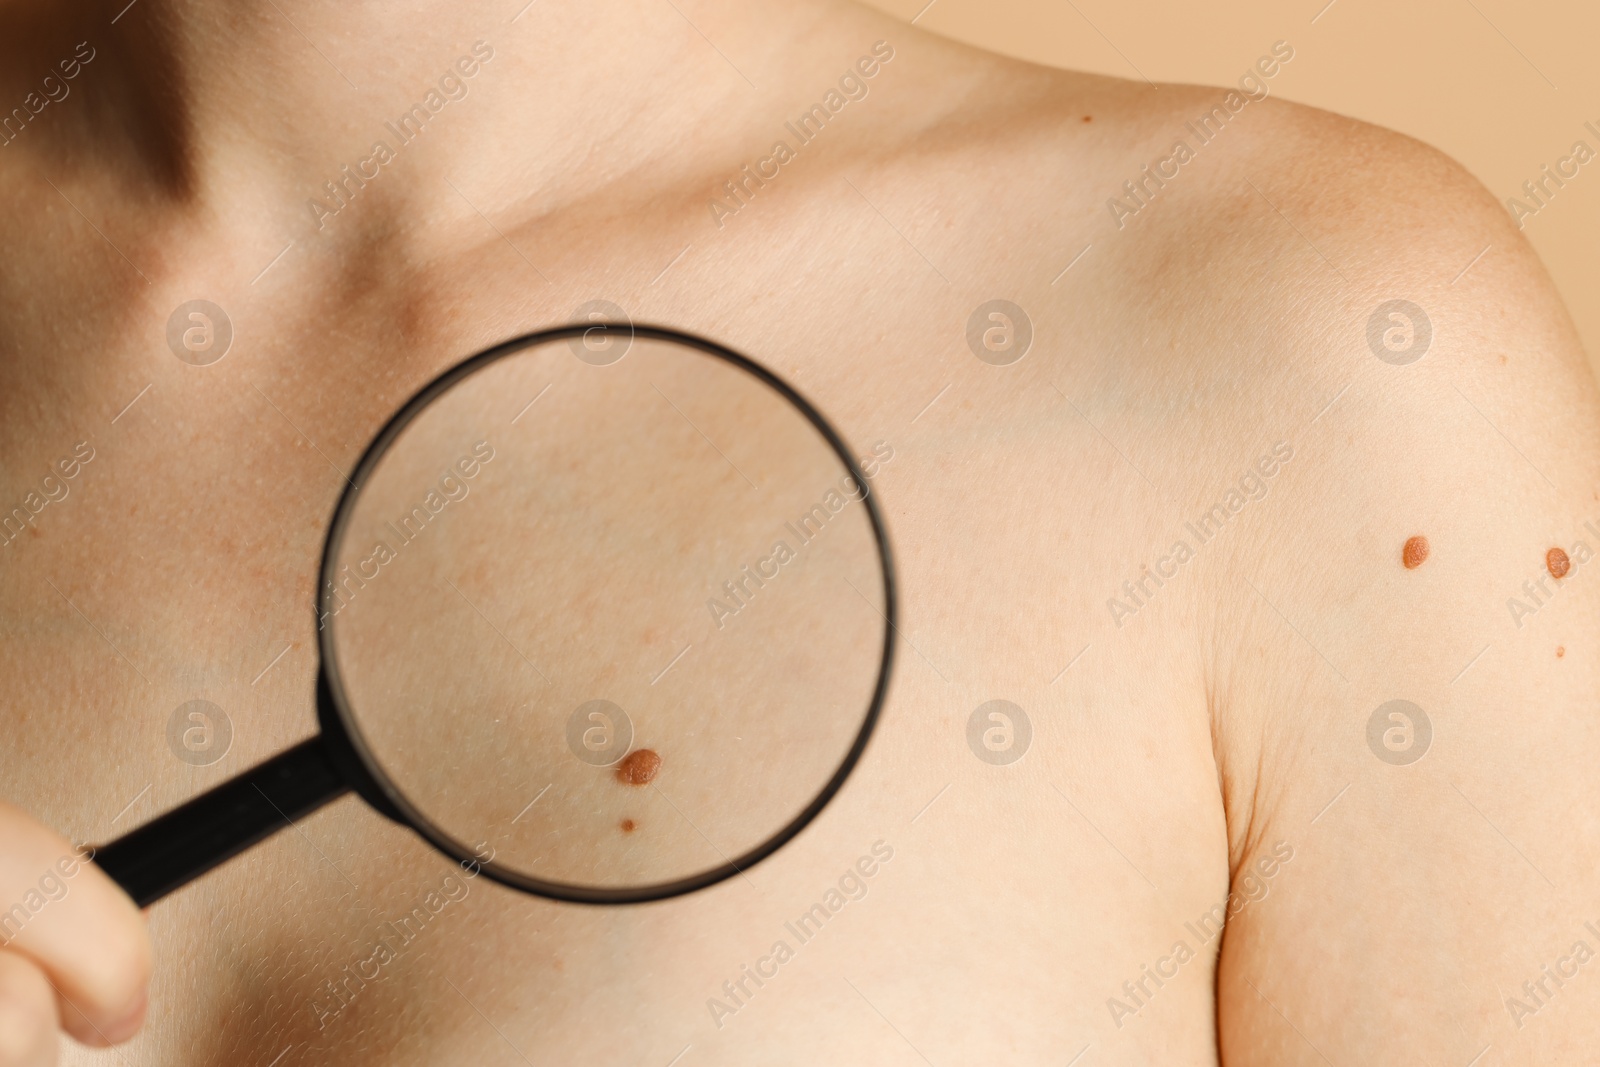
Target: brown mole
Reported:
point(1415, 552)
point(1561, 650)
point(1558, 563)
point(627, 826)
point(639, 767)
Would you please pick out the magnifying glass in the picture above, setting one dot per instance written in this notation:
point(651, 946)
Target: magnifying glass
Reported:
point(605, 610)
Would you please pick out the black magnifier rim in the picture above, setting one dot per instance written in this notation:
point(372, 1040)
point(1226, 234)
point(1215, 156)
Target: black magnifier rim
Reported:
point(346, 722)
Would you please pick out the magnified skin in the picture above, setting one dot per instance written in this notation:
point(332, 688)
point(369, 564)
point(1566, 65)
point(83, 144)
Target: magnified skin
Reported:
point(505, 633)
point(1220, 731)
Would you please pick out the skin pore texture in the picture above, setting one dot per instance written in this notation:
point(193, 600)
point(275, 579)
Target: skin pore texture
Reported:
point(1200, 858)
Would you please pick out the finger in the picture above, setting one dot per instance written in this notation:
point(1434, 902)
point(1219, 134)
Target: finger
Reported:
point(28, 1018)
point(65, 915)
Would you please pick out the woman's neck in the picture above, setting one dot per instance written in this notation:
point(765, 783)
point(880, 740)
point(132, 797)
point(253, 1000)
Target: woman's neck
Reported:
point(267, 106)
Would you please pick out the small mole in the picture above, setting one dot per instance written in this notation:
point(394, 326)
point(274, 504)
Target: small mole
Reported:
point(1088, 118)
point(1561, 650)
point(639, 767)
point(627, 826)
point(1557, 561)
point(1415, 553)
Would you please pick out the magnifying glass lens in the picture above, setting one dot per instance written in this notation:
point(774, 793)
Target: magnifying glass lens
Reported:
point(610, 609)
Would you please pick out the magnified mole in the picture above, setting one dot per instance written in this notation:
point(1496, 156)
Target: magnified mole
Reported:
point(627, 826)
point(1558, 563)
point(639, 767)
point(1415, 552)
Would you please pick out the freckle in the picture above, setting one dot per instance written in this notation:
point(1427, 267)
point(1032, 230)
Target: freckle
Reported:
point(1561, 650)
point(1557, 561)
point(1415, 552)
point(627, 826)
point(1088, 118)
point(639, 768)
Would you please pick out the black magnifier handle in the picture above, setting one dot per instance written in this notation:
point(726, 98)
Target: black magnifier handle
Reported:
point(178, 847)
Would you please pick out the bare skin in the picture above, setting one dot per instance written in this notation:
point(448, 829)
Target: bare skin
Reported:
point(1212, 726)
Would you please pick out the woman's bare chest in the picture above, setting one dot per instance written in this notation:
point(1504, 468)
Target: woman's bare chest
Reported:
point(175, 570)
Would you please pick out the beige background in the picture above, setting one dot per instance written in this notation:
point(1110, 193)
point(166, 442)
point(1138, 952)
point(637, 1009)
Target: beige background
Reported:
point(1503, 86)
